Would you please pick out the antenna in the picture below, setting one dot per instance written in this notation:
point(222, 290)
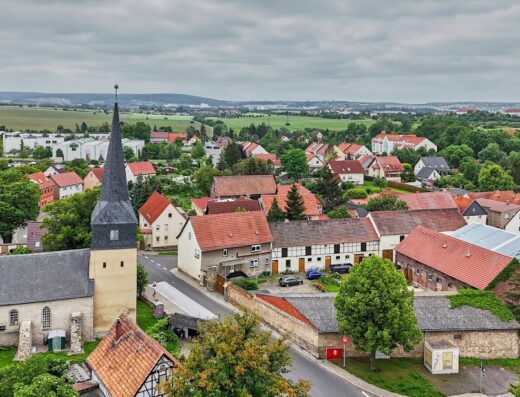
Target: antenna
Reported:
point(116, 87)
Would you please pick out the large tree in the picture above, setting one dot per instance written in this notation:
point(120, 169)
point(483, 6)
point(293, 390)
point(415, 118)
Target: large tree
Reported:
point(142, 189)
point(294, 161)
point(455, 153)
point(68, 221)
point(233, 358)
point(294, 205)
point(375, 308)
point(494, 177)
point(252, 166)
point(230, 155)
point(328, 188)
point(203, 179)
point(385, 202)
point(513, 165)
point(275, 213)
point(18, 202)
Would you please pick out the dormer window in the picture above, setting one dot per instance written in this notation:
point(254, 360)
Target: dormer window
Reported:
point(256, 248)
point(114, 235)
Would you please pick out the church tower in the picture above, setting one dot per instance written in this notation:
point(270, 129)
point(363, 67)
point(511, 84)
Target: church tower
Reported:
point(113, 254)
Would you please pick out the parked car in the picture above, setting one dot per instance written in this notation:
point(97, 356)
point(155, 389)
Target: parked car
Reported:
point(313, 274)
point(286, 281)
point(341, 268)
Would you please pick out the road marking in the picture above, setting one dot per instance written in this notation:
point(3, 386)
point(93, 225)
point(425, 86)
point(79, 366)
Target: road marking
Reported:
point(158, 265)
point(151, 260)
point(165, 268)
point(146, 257)
point(365, 394)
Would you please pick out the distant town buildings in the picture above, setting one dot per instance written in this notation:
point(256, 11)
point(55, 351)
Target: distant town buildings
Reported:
point(15, 141)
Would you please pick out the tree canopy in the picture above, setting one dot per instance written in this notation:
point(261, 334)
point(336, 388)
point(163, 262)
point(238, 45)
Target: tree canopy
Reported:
point(494, 177)
point(294, 161)
point(329, 190)
point(375, 308)
point(385, 202)
point(294, 205)
point(233, 358)
point(18, 202)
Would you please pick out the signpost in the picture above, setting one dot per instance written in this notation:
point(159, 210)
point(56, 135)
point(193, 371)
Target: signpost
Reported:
point(344, 340)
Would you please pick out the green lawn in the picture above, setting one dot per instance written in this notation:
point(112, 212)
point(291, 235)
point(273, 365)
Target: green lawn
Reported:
point(46, 118)
point(7, 356)
point(513, 364)
point(145, 316)
point(403, 376)
point(295, 122)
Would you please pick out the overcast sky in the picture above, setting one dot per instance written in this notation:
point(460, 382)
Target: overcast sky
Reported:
point(363, 50)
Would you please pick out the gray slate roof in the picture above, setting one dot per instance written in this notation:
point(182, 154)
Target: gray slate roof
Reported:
point(436, 162)
point(434, 313)
point(425, 172)
point(318, 309)
point(45, 277)
point(328, 231)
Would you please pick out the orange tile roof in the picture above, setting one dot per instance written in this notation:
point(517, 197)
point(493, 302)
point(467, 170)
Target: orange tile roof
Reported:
point(154, 207)
point(473, 265)
point(268, 157)
point(40, 178)
point(346, 167)
point(141, 168)
point(125, 357)
point(233, 229)
point(498, 195)
point(349, 148)
point(311, 204)
point(390, 164)
point(66, 179)
point(429, 200)
point(463, 202)
point(243, 185)
point(282, 304)
point(173, 136)
point(202, 202)
point(98, 172)
point(408, 139)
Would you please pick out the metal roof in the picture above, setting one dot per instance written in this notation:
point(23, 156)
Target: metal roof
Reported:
point(489, 237)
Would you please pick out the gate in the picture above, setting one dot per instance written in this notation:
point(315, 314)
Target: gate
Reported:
point(220, 284)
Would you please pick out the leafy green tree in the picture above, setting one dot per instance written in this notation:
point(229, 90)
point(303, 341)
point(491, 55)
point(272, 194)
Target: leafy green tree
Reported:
point(408, 155)
point(162, 334)
point(455, 153)
point(42, 152)
point(139, 130)
point(46, 385)
point(197, 151)
point(203, 179)
point(455, 180)
point(491, 153)
point(275, 214)
point(142, 279)
point(494, 177)
point(14, 377)
point(233, 358)
point(294, 205)
point(329, 190)
point(294, 161)
point(513, 166)
point(341, 212)
point(18, 202)
point(142, 189)
point(375, 308)
point(68, 221)
point(385, 202)
point(470, 168)
point(129, 154)
point(79, 166)
point(252, 166)
point(230, 155)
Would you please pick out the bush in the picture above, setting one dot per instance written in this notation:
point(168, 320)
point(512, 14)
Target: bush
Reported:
point(405, 187)
point(356, 193)
point(372, 189)
point(347, 185)
point(160, 332)
point(246, 283)
point(380, 182)
point(341, 212)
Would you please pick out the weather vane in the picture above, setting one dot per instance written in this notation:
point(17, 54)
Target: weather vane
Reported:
point(116, 87)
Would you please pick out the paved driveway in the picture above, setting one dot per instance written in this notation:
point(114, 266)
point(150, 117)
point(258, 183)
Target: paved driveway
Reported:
point(273, 286)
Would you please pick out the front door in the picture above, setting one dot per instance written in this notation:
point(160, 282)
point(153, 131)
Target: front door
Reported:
point(301, 265)
point(358, 258)
point(274, 266)
point(327, 262)
point(388, 254)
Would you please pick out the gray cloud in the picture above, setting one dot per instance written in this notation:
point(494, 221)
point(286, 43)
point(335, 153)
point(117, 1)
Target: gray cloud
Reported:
point(405, 50)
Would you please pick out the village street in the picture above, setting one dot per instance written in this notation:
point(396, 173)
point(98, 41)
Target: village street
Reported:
point(324, 383)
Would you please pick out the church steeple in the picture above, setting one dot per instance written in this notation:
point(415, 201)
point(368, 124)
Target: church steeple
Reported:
point(113, 220)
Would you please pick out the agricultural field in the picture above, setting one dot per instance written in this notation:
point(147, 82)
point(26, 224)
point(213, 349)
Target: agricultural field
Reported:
point(25, 118)
point(295, 122)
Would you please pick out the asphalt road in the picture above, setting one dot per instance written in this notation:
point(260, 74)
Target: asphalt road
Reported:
point(324, 383)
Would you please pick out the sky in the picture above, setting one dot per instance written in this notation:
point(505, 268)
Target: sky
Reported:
point(410, 51)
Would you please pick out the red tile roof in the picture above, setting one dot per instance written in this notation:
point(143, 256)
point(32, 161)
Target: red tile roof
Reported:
point(311, 203)
point(66, 179)
point(268, 157)
point(497, 206)
point(222, 207)
point(349, 148)
point(243, 185)
point(463, 261)
point(346, 167)
point(173, 136)
point(40, 178)
point(125, 357)
point(234, 229)
point(283, 305)
point(408, 139)
point(141, 168)
point(154, 207)
point(403, 222)
point(202, 202)
point(463, 202)
point(390, 164)
point(98, 172)
point(429, 200)
point(158, 134)
point(504, 195)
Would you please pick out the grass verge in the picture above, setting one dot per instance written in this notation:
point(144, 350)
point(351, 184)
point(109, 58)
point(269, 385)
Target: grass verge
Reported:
point(403, 376)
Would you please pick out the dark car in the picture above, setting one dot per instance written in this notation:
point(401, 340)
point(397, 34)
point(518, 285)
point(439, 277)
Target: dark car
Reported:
point(286, 281)
point(342, 268)
point(313, 274)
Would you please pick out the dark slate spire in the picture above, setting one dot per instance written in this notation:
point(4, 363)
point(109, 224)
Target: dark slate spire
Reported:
point(113, 219)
